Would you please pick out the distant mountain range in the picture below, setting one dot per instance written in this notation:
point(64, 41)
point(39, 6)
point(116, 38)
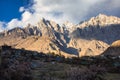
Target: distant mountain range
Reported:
point(89, 38)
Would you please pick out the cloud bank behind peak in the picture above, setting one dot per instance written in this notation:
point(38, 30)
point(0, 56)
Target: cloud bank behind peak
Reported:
point(63, 10)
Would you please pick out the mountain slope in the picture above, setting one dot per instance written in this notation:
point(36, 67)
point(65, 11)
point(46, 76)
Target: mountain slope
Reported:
point(88, 47)
point(89, 38)
point(101, 27)
point(46, 36)
point(114, 49)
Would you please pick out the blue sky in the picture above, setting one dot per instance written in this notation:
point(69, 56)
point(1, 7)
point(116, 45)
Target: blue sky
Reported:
point(9, 9)
point(18, 13)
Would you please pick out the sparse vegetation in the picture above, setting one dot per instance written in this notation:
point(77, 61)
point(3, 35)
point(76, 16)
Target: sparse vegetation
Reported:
point(20, 64)
point(84, 73)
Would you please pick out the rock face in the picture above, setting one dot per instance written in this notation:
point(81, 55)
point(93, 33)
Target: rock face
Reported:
point(88, 47)
point(101, 27)
point(46, 36)
point(89, 38)
point(101, 20)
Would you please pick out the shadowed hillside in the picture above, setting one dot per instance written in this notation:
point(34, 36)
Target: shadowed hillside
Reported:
point(32, 65)
point(106, 34)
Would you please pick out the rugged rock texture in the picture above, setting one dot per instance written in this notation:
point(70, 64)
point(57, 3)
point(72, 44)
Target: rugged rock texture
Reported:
point(100, 20)
point(101, 27)
point(88, 47)
point(46, 36)
point(88, 38)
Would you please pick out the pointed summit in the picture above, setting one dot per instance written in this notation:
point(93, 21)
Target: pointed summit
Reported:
point(101, 20)
point(101, 15)
point(44, 20)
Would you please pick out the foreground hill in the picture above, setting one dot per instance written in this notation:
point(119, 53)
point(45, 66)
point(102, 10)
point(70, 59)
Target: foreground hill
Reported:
point(114, 49)
point(89, 38)
point(20, 64)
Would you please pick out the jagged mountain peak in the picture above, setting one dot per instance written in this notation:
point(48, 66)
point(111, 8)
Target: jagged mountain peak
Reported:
point(100, 20)
point(101, 15)
point(107, 19)
point(69, 26)
point(44, 23)
point(69, 38)
point(105, 16)
point(102, 27)
point(15, 31)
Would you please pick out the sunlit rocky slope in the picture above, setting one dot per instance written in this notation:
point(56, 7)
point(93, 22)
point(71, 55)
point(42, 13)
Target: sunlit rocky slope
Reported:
point(89, 38)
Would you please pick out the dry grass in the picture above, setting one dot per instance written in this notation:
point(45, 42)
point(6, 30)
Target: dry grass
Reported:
point(112, 76)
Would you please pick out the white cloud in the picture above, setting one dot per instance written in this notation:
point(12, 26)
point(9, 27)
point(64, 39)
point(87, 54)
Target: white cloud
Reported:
point(21, 9)
point(64, 10)
point(26, 16)
point(14, 23)
point(71, 10)
point(2, 25)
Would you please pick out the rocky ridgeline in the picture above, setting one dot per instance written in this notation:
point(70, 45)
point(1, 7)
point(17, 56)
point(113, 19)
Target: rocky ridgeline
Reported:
point(102, 27)
point(48, 36)
point(100, 20)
